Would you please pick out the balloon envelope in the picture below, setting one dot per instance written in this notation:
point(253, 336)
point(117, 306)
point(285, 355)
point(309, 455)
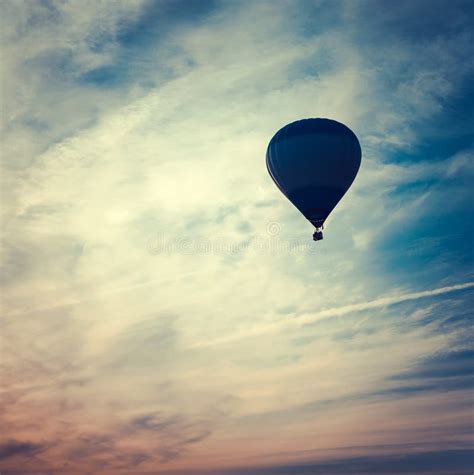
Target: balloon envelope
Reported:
point(314, 162)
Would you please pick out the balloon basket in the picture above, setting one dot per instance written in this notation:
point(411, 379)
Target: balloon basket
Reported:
point(318, 234)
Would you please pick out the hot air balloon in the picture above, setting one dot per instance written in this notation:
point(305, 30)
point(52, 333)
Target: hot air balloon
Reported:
point(314, 162)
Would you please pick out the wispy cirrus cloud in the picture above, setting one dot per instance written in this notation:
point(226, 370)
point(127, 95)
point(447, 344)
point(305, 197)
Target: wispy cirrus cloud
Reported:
point(307, 317)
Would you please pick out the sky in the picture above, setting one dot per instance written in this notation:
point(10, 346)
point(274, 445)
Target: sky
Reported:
point(164, 308)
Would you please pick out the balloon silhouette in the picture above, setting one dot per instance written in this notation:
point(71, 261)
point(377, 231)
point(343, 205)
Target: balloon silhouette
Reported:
point(314, 162)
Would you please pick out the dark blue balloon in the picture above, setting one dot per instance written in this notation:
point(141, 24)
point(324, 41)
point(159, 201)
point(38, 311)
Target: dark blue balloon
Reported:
point(314, 162)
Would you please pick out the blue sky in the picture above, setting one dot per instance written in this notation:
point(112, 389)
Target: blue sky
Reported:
point(164, 307)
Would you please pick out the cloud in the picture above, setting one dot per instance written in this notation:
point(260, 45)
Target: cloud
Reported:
point(440, 372)
point(305, 317)
point(14, 448)
point(440, 462)
point(175, 433)
point(137, 140)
